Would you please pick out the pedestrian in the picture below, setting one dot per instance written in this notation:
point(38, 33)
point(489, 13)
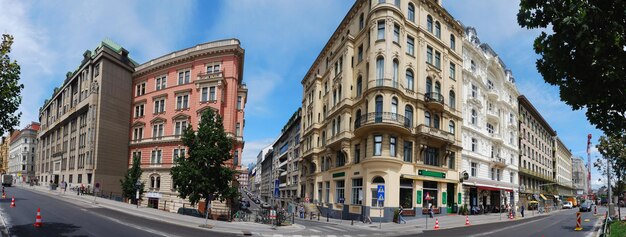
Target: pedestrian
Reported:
point(430, 210)
point(400, 218)
point(82, 189)
point(522, 211)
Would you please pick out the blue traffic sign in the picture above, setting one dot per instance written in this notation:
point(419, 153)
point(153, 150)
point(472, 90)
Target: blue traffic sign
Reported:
point(276, 184)
point(381, 192)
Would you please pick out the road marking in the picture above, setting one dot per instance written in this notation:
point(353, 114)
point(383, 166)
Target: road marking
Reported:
point(316, 231)
point(146, 229)
point(334, 228)
point(505, 228)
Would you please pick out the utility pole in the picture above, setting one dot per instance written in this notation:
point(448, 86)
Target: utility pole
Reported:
point(608, 177)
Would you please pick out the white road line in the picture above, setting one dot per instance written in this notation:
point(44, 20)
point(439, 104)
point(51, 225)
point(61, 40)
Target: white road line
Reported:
point(277, 235)
point(316, 231)
point(335, 228)
point(505, 228)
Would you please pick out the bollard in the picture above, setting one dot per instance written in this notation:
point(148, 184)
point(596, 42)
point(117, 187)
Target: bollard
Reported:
point(327, 216)
point(311, 216)
point(293, 218)
point(578, 224)
point(318, 216)
point(352, 223)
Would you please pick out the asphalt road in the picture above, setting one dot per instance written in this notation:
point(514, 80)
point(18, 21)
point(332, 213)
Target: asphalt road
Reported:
point(61, 218)
point(560, 224)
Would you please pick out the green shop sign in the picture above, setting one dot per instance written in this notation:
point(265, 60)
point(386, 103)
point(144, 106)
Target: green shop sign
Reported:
point(340, 174)
point(432, 174)
point(419, 197)
point(444, 198)
point(459, 199)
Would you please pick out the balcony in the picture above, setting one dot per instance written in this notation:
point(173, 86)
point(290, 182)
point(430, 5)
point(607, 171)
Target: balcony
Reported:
point(492, 115)
point(154, 140)
point(435, 133)
point(237, 138)
point(492, 94)
point(499, 161)
point(434, 101)
point(389, 83)
point(382, 120)
point(536, 174)
point(335, 140)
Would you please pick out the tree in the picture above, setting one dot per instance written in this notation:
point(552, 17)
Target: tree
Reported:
point(130, 179)
point(10, 88)
point(585, 55)
point(204, 175)
point(613, 149)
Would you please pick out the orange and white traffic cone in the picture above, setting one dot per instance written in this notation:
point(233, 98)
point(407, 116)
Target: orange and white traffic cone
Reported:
point(511, 215)
point(12, 201)
point(437, 224)
point(38, 222)
point(4, 195)
point(467, 220)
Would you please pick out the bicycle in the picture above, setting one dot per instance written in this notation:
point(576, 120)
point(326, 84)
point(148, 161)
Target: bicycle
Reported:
point(239, 216)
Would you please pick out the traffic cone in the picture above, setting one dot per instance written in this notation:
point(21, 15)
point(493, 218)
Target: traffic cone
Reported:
point(38, 222)
point(511, 215)
point(4, 195)
point(467, 220)
point(12, 201)
point(437, 224)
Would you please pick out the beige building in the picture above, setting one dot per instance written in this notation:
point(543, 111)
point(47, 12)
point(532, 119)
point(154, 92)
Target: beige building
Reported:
point(83, 125)
point(537, 146)
point(563, 170)
point(379, 109)
point(4, 153)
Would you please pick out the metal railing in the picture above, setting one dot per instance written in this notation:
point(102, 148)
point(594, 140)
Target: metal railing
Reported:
point(606, 226)
point(433, 97)
point(382, 117)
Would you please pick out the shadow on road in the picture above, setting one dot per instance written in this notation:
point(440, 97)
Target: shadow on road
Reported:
point(48, 230)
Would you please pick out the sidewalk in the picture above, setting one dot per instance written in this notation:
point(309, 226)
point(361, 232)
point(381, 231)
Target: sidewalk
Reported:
point(246, 228)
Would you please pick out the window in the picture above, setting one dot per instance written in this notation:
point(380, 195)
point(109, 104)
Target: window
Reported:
point(429, 55)
point(436, 121)
point(340, 186)
point(397, 3)
point(489, 84)
point(155, 182)
point(183, 76)
point(357, 153)
point(357, 191)
point(409, 80)
point(239, 102)
point(427, 118)
point(474, 144)
point(138, 133)
point(204, 94)
point(361, 21)
point(360, 54)
point(408, 116)
point(451, 160)
point(212, 93)
point(411, 12)
point(452, 42)
point(380, 70)
point(156, 157)
point(374, 191)
point(161, 83)
point(511, 178)
point(140, 89)
point(182, 102)
point(452, 99)
point(381, 30)
point(157, 130)
point(452, 71)
point(429, 23)
point(408, 151)
point(473, 65)
point(410, 45)
point(451, 126)
point(139, 110)
point(438, 29)
point(437, 59)
point(394, 107)
point(179, 152)
point(359, 86)
point(159, 106)
point(474, 117)
point(396, 33)
point(490, 128)
point(180, 127)
point(429, 85)
point(319, 191)
point(474, 91)
point(392, 146)
point(431, 156)
point(474, 169)
point(378, 145)
point(238, 129)
point(327, 192)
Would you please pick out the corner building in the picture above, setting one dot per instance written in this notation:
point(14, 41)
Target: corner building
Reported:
point(170, 93)
point(380, 108)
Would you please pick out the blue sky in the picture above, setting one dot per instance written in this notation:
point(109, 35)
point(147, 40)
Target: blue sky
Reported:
point(281, 39)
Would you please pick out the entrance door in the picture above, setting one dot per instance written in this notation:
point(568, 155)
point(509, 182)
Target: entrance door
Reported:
point(56, 178)
point(451, 189)
point(153, 202)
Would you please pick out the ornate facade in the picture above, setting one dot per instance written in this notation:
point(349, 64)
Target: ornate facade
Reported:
point(22, 151)
point(380, 109)
point(563, 170)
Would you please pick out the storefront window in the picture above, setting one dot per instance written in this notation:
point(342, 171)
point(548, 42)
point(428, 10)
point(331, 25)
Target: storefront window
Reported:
point(374, 190)
point(406, 193)
point(430, 189)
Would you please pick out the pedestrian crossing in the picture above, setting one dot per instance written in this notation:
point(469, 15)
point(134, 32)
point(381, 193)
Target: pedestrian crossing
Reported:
point(327, 231)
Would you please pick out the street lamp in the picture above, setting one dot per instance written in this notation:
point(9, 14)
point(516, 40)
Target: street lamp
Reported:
point(137, 186)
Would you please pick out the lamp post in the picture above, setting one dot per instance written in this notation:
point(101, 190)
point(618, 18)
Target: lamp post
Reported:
point(137, 186)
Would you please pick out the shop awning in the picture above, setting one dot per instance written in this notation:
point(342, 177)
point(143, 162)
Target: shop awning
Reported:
point(544, 197)
point(494, 189)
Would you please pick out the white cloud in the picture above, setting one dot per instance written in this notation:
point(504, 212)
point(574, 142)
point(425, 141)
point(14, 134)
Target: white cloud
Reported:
point(252, 149)
point(261, 85)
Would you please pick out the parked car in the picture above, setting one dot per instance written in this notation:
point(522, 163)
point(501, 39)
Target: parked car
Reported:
point(189, 212)
point(585, 207)
point(567, 205)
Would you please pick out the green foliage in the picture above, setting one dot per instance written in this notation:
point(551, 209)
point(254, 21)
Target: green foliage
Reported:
point(584, 54)
point(10, 88)
point(613, 148)
point(130, 179)
point(205, 174)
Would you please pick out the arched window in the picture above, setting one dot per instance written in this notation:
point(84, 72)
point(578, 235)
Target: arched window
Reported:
point(474, 117)
point(379, 108)
point(394, 107)
point(429, 23)
point(436, 121)
point(374, 191)
point(427, 118)
point(452, 99)
point(408, 116)
point(380, 70)
point(339, 93)
point(323, 138)
point(411, 13)
point(409, 80)
point(438, 88)
point(452, 42)
point(338, 124)
point(438, 29)
point(395, 73)
point(361, 21)
point(451, 127)
point(155, 181)
point(429, 85)
point(357, 120)
point(359, 86)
